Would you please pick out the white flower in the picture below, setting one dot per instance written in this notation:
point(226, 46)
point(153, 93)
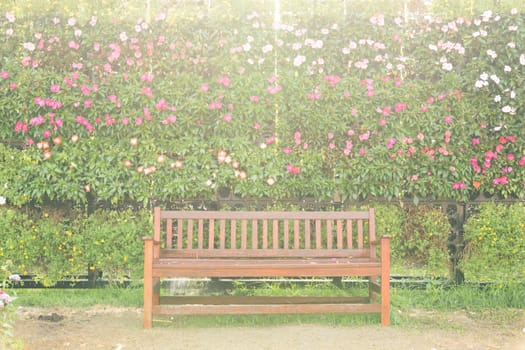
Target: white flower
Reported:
point(29, 46)
point(522, 59)
point(250, 39)
point(514, 11)
point(512, 45)
point(492, 53)
point(123, 36)
point(479, 84)
point(447, 66)
point(246, 47)
point(513, 28)
point(507, 69)
point(298, 60)
point(318, 44)
point(267, 48)
point(346, 50)
point(497, 98)
point(495, 78)
point(72, 21)
point(432, 47)
point(484, 76)
point(2, 200)
point(10, 16)
point(513, 94)
point(296, 46)
point(506, 109)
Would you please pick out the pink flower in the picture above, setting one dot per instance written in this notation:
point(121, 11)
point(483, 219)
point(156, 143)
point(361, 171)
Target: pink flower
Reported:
point(256, 126)
point(4, 74)
point(314, 96)
point(365, 136)
point(274, 89)
point(420, 137)
point(225, 81)
point(146, 91)
point(270, 140)
point(204, 87)
point(21, 127)
point(390, 144)
point(475, 141)
point(272, 79)
point(500, 180)
point(424, 108)
point(139, 121)
point(287, 150)
point(169, 120)
point(448, 119)
point(37, 120)
point(292, 169)
point(254, 99)
point(459, 185)
point(161, 105)
point(228, 118)
point(55, 88)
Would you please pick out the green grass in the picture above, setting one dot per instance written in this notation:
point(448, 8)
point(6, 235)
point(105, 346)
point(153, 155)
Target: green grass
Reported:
point(498, 305)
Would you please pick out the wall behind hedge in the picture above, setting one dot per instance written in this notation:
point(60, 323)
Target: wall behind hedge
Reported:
point(95, 107)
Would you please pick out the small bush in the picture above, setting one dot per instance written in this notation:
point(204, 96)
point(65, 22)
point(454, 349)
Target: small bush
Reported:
point(419, 238)
point(495, 244)
point(51, 247)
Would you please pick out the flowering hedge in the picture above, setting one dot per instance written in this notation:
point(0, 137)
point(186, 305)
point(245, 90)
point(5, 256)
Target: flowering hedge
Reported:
point(129, 109)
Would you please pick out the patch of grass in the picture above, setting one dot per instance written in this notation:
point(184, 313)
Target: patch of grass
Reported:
point(122, 297)
point(441, 306)
point(203, 321)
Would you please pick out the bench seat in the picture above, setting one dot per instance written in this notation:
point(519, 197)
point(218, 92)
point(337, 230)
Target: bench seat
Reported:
point(268, 267)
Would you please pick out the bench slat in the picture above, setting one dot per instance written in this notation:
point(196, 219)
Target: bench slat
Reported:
point(261, 215)
point(261, 253)
point(265, 309)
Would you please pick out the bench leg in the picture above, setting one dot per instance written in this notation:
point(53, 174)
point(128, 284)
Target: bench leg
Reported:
point(385, 281)
point(148, 283)
point(372, 294)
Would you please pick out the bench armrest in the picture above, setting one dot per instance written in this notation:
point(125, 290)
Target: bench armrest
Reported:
point(151, 239)
point(378, 241)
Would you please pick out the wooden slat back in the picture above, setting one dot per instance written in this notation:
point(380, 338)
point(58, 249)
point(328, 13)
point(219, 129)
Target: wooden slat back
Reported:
point(259, 234)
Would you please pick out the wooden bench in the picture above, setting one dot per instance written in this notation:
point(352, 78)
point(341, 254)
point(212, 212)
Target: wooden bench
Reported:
point(237, 244)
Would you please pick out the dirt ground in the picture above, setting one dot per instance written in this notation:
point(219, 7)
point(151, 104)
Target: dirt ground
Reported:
point(121, 328)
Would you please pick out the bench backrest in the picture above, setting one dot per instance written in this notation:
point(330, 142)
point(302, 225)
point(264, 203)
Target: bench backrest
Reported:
point(206, 234)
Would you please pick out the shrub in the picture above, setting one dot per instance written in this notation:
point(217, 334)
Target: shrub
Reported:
point(421, 246)
point(495, 244)
point(50, 247)
point(112, 241)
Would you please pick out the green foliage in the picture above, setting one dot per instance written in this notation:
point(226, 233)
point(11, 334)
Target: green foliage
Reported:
point(51, 248)
point(181, 101)
point(7, 308)
point(495, 248)
point(419, 239)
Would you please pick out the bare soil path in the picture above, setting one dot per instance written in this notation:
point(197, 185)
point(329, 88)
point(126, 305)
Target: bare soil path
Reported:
point(121, 328)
